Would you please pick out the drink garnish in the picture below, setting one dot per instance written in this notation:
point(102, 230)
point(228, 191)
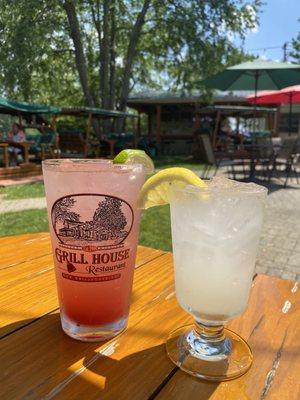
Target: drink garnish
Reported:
point(156, 190)
point(135, 156)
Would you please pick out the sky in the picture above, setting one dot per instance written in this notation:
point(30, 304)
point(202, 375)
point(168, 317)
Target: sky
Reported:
point(278, 24)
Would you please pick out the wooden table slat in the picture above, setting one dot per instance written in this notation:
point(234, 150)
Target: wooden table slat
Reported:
point(18, 249)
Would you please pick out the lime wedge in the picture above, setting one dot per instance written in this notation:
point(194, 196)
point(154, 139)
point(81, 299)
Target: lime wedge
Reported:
point(156, 190)
point(135, 156)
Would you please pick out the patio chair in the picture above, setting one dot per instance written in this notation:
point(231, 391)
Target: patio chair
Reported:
point(264, 154)
point(43, 146)
point(286, 160)
point(72, 144)
point(215, 159)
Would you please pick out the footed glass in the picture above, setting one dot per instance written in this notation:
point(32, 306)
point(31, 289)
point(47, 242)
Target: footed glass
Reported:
point(215, 235)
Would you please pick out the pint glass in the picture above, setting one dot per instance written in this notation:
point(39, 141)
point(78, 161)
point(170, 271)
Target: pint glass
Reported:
point(94, 224)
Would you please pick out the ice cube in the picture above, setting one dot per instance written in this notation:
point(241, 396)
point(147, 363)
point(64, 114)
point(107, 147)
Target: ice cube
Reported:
point(221, 182)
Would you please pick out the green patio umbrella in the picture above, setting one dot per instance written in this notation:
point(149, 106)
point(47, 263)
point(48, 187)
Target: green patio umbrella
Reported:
point(256, 75)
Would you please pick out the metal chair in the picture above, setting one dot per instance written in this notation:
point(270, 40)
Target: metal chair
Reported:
point(286, 160)
point(217, 160)
point(264, 154)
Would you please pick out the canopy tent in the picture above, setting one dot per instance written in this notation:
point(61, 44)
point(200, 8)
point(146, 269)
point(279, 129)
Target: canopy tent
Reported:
point(94, 112)
point(21, 108)
point(289, 95)
point(235, 111)
point(238, 110)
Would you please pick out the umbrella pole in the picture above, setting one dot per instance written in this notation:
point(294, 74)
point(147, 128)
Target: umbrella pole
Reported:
point(255, 98)
point(290, 113)
point(253, 161)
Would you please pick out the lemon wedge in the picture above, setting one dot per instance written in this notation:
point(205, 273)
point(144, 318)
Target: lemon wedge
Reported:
point(156, 190)
point(135, 156)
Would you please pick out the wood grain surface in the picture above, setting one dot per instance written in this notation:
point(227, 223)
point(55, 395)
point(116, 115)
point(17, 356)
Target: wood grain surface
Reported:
point(38, 361)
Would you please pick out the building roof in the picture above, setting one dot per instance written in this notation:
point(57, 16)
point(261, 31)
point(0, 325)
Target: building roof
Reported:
point(147, 101)
point(179, 97)
point(238, 110)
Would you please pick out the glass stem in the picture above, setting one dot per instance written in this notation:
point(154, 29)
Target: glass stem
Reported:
point(210, 333)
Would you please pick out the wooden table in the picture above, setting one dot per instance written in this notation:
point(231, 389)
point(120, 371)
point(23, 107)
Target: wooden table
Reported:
point(38, 361)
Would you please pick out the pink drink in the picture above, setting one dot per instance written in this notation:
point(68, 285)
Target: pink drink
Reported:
point(94, 224)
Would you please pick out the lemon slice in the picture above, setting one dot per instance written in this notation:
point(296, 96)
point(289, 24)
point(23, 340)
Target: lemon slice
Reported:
point(156, 190)
point(135, 156)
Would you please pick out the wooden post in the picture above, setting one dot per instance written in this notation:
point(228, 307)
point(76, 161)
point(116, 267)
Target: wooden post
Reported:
point(276, 121)
point(54, 128)
point(138, 129)
point(4, 147)
point(197, 116)
point(214, 138)
point(88, 130)
point(238, 121)
point(20, 119)
point(197, 120)
point(149, 125)
point(158, 128)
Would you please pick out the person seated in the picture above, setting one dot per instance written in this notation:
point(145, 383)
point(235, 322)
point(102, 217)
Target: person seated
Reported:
point(224, 134)
point(17, 135)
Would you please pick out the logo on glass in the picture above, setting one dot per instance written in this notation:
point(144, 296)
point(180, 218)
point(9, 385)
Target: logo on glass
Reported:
point(91, 221)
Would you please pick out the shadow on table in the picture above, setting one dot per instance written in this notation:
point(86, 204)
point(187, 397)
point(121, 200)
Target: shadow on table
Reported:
point(140, 375)
point(143, 366)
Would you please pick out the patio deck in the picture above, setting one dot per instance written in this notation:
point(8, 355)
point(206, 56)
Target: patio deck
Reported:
point(19, 172)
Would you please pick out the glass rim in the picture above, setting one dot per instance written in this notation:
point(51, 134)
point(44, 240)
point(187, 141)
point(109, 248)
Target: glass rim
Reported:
point(77, 164)
point(252, 189)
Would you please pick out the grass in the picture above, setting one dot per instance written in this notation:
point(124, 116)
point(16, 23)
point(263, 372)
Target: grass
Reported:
point(155, 223)
point(27, 221)
point(177, 161)
point(155, 228)
point(27, 191)
point(154, 232)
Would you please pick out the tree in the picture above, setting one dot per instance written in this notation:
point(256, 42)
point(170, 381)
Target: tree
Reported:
point(95, 52)
point(295, 53)
point(109, 215)
point(61, 211)
point(36, 61)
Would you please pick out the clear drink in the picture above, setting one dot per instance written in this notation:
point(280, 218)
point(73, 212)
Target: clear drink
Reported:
point(94, 223)
point(215, 241)
point(215, 235)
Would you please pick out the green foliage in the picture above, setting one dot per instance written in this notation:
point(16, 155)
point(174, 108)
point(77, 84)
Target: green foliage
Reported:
point(181, 42)
point(295, 53)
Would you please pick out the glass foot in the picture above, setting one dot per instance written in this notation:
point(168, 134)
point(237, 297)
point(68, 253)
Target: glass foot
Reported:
point(210, 353)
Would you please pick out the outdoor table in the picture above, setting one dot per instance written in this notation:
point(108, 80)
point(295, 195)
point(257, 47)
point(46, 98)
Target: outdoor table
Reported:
point(24, 146)
point(4, 147)
point(38, 361)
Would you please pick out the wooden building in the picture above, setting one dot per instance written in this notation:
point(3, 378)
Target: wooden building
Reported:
point(172, 118)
